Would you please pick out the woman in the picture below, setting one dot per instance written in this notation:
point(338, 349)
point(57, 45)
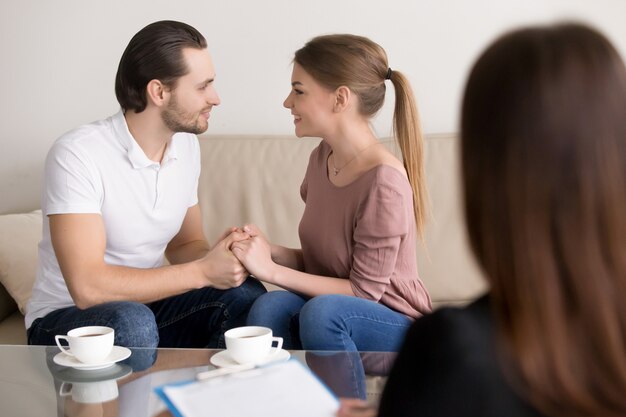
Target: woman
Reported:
point(354, 284)
point(544, 168)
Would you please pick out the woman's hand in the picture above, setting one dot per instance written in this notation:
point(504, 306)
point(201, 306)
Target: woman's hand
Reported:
point(353, 407)
point(255, 254)
point(220, 267)
point(253, 230)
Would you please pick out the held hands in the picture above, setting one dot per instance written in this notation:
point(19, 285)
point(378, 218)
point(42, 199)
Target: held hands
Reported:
point(255, 253)
point(253, 231)
point(353, 407)
point(227, 233)
point(219, 266)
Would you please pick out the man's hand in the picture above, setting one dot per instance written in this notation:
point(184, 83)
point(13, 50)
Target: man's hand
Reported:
point(226, 233)
point(220, 267)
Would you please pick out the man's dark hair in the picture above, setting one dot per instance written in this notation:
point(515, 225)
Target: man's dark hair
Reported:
point(155, 52)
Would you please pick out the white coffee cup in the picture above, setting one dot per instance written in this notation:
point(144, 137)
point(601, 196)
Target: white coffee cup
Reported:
point(90, 392)
point(90, 344)
point(251, 344)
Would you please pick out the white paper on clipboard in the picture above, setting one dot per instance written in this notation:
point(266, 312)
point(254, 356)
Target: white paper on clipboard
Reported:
point(286, 389)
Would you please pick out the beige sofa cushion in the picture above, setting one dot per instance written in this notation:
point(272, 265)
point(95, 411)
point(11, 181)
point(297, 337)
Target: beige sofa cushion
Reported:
point(257, 179)
point(19, 236)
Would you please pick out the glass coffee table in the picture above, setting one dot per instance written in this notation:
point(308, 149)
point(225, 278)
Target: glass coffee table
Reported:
point(32, 384)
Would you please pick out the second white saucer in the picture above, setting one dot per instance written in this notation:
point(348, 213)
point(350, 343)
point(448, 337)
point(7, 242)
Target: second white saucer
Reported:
point(118, 353)
point(223, 360)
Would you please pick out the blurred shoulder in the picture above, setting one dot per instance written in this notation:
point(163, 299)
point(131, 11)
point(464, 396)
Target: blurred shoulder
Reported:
point(456, 331)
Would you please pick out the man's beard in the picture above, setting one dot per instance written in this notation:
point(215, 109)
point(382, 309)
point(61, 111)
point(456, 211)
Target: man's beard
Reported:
point(177, 120)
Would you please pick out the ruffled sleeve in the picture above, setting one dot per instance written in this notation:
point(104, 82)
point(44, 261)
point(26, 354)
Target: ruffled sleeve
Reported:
point(381, 225)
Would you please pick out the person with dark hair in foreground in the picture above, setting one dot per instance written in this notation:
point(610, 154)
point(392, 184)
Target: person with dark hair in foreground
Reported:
point(121, 193)
point(544, 170)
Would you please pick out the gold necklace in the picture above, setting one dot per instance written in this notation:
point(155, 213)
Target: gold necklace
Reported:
point(336, 170)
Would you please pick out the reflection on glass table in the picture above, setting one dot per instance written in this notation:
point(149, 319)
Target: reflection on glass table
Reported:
point(32, 384)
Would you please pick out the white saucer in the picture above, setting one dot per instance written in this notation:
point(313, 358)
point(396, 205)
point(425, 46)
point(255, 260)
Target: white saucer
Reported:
point(118, 353)
point(115, 372)
point(223, 360)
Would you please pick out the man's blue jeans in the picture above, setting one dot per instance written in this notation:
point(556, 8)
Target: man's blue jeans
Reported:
point(196, 319)
point(330, 322)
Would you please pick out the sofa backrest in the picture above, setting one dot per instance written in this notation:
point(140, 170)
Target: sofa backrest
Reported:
point(254, 178)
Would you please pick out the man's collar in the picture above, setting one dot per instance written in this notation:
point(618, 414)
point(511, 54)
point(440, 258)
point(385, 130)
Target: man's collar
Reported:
point(136, 155)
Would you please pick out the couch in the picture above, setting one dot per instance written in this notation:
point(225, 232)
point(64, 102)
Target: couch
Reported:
point(256, 178)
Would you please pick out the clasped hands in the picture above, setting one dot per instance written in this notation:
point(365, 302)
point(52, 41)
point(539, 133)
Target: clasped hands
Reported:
point(251, 249)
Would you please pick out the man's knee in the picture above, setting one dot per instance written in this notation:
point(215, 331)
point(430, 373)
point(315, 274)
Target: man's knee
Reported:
point(242, 297)
point(134, 324)
point(252, 289)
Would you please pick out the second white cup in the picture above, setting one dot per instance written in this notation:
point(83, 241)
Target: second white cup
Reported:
point(90, 344)
point(251, 344)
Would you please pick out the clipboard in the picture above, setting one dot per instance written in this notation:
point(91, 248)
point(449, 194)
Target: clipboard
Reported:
point(283, 389)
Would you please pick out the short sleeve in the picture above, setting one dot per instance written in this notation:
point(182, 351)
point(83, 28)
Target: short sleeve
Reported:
point(381, 224)
point(71, 183)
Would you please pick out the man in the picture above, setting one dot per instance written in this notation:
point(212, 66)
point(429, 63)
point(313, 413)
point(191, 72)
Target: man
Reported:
point(121, 193)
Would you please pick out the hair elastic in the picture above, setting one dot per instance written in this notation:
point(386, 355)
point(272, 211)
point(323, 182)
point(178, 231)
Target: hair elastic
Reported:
point(388, 76)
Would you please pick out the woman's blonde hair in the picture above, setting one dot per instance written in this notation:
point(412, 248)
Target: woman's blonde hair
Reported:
point(361, 65)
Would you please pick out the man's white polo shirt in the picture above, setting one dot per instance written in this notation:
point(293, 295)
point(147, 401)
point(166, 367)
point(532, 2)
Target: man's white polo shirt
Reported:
point(100, 168)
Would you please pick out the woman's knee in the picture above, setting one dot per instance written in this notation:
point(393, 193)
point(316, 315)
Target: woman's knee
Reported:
point(272, 304)
point(322, 309)
point(322, 325)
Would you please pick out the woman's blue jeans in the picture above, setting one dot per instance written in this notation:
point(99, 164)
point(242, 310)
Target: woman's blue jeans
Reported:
point(196, 319)
point(330, 322)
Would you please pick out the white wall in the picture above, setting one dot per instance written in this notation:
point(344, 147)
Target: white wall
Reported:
point(58, 59)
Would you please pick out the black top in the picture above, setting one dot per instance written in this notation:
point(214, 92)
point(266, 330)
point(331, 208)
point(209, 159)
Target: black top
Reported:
point(448, 367)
